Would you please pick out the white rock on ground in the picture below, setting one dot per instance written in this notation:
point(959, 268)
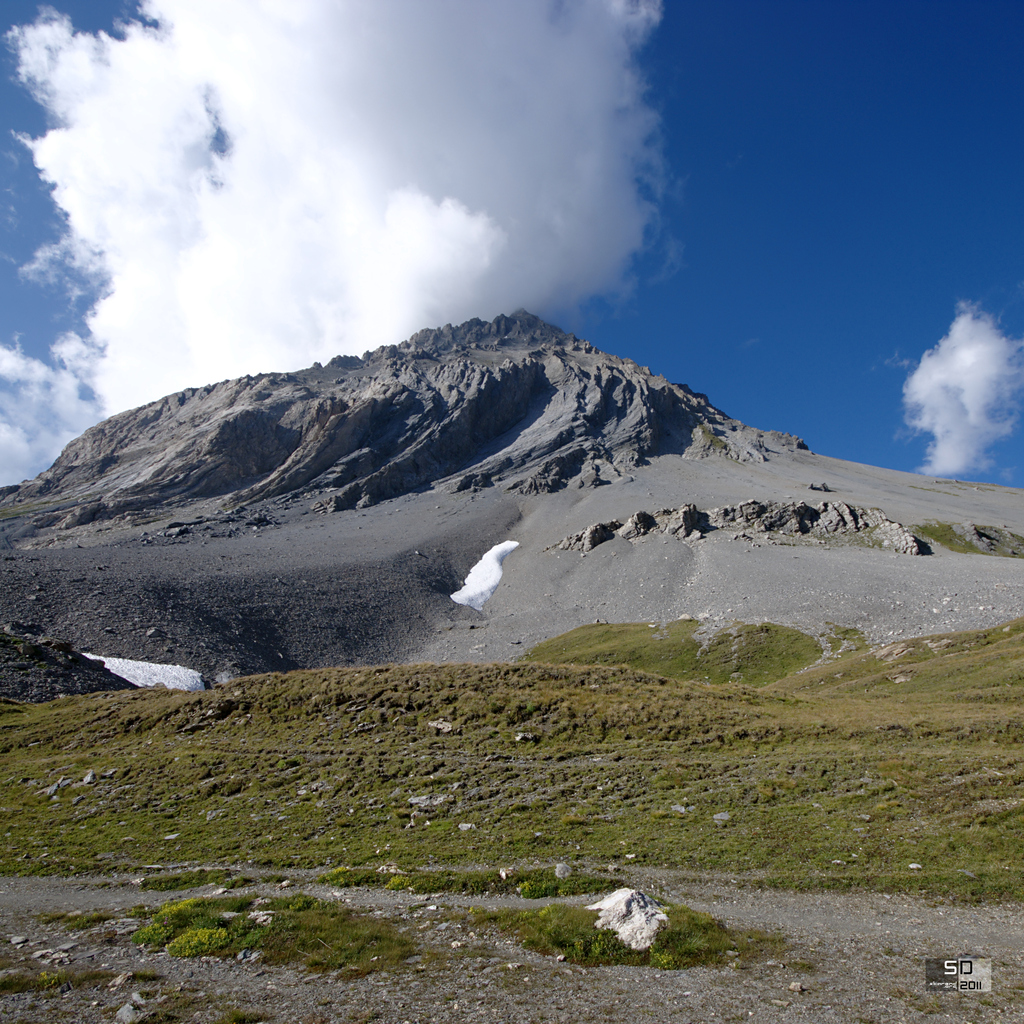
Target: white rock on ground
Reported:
point(633, 915)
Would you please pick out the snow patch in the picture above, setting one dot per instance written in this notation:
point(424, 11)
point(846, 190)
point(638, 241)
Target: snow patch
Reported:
point(484, 577)
point(633, 915)
point(147, 673)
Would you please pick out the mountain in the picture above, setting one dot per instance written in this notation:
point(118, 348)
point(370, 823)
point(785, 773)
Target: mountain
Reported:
point(323, 517)
point(515, 401)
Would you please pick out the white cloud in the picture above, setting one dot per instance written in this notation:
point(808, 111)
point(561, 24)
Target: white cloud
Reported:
point(964, 392)
point(262, 183)
point(43, 406)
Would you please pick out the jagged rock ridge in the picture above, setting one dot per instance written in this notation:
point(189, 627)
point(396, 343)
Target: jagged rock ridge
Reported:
point(828, 520)
point(514, 402)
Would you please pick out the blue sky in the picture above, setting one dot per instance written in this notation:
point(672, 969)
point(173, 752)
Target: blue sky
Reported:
point(835, 179)
point(848, 173)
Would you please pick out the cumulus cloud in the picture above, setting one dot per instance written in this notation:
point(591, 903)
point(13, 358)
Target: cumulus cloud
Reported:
point(964, 392)
point(43, 405)
point(260, 184)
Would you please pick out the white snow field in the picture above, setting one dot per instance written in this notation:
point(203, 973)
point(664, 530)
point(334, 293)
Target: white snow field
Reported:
point(484, 577)
point(147, 673)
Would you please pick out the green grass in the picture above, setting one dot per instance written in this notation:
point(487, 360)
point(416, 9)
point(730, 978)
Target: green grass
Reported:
point(193, 879)
point(320, 935)
point(74, 920)
point(48, 981)
point(713, 439)
point(755, 654)
point(875, 759)
point(534, 884)
point(1005, 543)
point(32, 508)
point(690, 939)
point(235, 1016)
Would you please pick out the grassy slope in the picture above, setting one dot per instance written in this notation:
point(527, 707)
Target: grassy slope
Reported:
point(754, 654)
point(876, 763)
point(1005, 543)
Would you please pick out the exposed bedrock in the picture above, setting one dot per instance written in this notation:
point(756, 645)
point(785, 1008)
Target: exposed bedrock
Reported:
point(515, 402)
point(828, 520)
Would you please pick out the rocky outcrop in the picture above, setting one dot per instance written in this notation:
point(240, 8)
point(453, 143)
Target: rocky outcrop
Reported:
point(826, 520)
point(968, 533)
point(515, 403)
point(36, 668)
point(637, 525)
point(989, 540)
point(829, 520)
point(588, 539)
point(683, 521)
point(896, 536)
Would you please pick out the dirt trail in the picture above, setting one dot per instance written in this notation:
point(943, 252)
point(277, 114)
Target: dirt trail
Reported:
point(859, 958)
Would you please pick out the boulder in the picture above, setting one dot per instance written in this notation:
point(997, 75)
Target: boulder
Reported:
point(81, 516)
point(428, 800)
point(634, 916)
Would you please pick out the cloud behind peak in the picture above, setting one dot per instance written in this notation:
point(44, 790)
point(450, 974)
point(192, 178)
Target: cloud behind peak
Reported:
point(255, 186)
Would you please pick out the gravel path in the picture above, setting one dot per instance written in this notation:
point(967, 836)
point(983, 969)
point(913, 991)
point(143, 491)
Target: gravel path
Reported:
point(855, 957)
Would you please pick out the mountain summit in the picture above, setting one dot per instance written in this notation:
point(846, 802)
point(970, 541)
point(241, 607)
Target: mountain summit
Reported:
point(515, 402)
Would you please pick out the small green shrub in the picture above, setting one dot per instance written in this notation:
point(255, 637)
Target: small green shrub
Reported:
point(172, 919)
point(541, 884)
point(45, 980)
point(198, 942)
point(181, 911)
point(324, 935)
point(158, 933)
point(74, 921)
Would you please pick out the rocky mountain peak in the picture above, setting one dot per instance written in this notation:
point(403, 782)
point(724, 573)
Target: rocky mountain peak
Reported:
point(516, 403)
point(520, 330)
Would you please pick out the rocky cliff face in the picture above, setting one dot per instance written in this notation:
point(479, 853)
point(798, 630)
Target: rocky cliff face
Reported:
point(515, 402)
